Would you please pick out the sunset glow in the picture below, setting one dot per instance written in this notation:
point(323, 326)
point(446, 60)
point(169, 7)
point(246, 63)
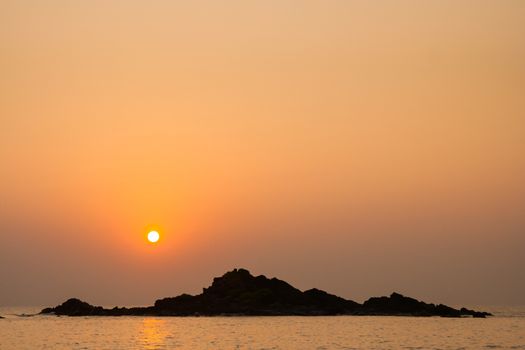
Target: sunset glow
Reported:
point(147, 146)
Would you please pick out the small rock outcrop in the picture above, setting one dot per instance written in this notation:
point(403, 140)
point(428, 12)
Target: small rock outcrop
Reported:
point(74, 307)
point(238, 292)
point(398, 304)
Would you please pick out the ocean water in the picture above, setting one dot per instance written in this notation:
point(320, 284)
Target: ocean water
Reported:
point(504, 331)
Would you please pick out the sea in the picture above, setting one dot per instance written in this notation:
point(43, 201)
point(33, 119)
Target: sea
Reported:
point(19, 330)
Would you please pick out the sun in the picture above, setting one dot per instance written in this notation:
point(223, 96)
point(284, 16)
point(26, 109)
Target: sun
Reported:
point(153, 236)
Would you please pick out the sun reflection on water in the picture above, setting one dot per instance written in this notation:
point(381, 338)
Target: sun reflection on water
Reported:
point(153, 334)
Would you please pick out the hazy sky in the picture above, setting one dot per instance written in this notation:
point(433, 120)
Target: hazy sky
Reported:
point(360, 147)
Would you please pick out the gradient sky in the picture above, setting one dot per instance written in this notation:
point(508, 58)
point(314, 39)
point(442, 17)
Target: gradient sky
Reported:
point(360, 147)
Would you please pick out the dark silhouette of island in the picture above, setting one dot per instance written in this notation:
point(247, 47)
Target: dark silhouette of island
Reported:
point(238, 293)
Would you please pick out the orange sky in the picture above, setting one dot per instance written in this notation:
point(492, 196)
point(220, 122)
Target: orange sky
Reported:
point(358, 147)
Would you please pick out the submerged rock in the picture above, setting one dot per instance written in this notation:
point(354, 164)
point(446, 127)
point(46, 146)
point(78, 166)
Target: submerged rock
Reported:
point(238, 292)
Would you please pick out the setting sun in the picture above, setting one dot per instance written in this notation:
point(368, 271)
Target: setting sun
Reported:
point(153, 236)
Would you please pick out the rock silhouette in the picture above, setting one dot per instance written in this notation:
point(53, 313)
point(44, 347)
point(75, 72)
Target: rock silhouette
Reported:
point(238, 292)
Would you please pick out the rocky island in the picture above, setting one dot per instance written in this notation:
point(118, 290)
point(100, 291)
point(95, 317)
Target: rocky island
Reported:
point(239, 293)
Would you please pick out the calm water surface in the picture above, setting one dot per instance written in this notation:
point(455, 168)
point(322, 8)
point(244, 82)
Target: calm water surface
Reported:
point(505, 331)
